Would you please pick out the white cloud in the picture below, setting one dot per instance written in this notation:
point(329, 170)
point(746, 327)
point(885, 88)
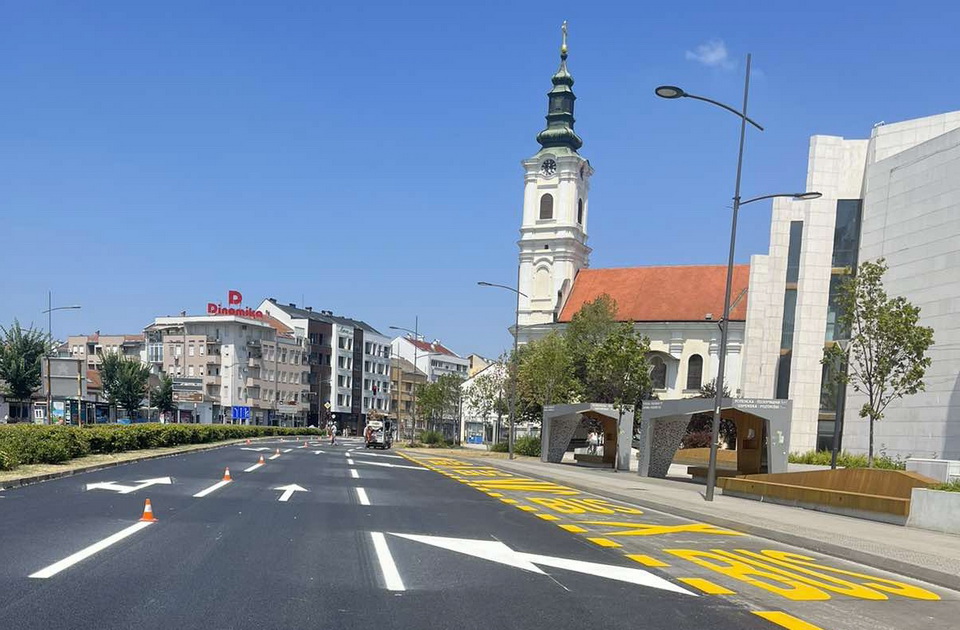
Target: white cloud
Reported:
point(712, 54)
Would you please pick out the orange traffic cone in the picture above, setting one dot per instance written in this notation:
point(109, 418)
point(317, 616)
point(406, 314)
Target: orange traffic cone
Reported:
point(148, 513)
point(304, 442)
point(278, 451)
point(226, 474)
point(261, 460)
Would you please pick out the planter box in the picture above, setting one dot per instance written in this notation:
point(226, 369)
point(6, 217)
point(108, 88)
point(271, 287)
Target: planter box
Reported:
point(935, 510)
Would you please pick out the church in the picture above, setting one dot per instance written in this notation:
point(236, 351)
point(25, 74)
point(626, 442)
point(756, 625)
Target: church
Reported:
point(678, 307)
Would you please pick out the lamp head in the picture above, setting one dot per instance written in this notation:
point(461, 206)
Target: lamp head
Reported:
point(807, 196)
point(670, 91)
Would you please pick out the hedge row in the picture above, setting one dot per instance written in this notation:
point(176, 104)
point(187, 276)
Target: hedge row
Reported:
point(847, 460)
point(40, 444)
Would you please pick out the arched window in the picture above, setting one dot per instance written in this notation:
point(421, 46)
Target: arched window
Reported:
point(546, 206)
point(580, 211)
point(658, 373)
point(695, 372)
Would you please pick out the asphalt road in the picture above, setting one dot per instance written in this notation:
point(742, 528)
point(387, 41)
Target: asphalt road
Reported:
point(366, 539)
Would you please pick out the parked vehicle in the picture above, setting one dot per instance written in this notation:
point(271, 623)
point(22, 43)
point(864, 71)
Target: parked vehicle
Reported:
point(378, 434)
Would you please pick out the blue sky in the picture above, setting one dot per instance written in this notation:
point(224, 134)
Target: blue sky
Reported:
point(364, 157)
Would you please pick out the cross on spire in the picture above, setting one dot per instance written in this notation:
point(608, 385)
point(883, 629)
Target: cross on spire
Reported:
point(563, 45)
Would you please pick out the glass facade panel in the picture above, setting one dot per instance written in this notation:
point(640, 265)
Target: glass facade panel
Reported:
point(846, 234)
point(789, 309)
point(793, 253)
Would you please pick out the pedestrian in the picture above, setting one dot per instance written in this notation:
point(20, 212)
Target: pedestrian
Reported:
point(593, 441)
point(332, 428)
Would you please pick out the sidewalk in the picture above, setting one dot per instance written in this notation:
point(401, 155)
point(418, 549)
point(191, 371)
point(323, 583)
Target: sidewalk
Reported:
point(916, 553)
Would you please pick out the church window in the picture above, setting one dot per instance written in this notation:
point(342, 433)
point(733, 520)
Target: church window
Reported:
point(695, 372)
point(580, 211)
point(658, 373)
point(546, 206)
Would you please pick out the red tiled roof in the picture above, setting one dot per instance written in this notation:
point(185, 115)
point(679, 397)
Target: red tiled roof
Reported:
point(661, 294)
point(435, 347)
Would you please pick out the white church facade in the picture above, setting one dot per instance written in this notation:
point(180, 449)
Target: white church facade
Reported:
point(677, 307)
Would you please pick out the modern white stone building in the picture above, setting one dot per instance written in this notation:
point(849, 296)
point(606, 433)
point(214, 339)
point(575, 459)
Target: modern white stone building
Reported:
point(895, 195)
point(432, 358)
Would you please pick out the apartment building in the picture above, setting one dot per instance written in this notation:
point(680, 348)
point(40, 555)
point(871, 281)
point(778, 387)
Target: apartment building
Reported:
point(90, 348)
point(349, 363)
point(228, 367)
point(431, 358)
point(406, 380)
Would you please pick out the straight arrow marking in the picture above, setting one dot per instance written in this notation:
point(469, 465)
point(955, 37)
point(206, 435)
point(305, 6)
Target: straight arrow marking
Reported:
point(318, 452)
point(246, 448)
point(122, 489)
point(391, 465)
point(289, 490)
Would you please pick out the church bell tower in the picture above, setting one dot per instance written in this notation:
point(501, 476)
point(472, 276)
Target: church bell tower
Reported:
point(553, 233)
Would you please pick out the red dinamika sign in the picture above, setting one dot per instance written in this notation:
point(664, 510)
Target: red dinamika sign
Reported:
point(234, 299)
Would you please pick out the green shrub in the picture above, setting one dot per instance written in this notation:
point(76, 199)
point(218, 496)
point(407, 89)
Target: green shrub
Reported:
point(499, 447)
point(431, 438)
point(950, 486)
point(847, 460)
point(527, 445)
point(42, 444)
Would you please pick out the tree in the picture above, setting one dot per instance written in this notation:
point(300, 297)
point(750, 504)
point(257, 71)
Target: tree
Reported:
point(587, 330)
point(703, 422)
point(546, 372)
point(124, 381)
point(441, 399)
point(618, 370)
point(885, 356)
point(21, 353)
point(162, 395)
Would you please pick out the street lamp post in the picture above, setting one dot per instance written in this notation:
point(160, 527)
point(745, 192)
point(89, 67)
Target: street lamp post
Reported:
point(413, 385)
point(673, 92)
point(516, 338)
point(50, 309)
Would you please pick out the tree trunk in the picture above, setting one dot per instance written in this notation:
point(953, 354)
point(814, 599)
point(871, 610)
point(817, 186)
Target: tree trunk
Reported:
point(870, 447)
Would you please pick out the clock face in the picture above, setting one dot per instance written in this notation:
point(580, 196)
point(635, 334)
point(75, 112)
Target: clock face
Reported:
point(548, 168)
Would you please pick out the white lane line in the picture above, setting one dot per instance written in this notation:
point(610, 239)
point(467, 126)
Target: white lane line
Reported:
point(354, 473)
point(350, 462)
point(213, 488)
point(254, 467)
point(69, 561)
point(362, 496)
point(368, 454)
point(391, 577)
point(274, 456)
point(287, 450)
point(391, 465)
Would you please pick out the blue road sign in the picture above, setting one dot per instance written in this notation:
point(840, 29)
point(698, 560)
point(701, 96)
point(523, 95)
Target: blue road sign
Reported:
point(240, 413)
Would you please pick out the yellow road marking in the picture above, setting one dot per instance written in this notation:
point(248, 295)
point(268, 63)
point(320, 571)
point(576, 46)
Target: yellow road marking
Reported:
point(604, 542)
point(784, 620)
point(526, 508)
point(644, 529)
point(576, 529)
point(647, 561)
point(583, 506)
point(510, 501)
point(548, 517)
point(495, 494)
point(708, 587)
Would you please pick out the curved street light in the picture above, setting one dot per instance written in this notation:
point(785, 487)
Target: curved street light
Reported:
point(413, 387)
point(51, 308)
point(516, 337)
point(673, 92)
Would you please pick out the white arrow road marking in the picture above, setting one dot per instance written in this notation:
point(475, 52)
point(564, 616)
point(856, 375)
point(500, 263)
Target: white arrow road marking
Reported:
point(496, 551)
point(318, 452)
point(212, 488)
point(362, 496)
point(258, 449)
point(122, 489)
point(354, 473)
point(289, 490)
point(391, 465)
point(391, 577)
point(69, 561)
point(253, 468)
point(369, 454)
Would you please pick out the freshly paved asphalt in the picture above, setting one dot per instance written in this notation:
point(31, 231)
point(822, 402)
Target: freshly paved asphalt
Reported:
point(239, 558)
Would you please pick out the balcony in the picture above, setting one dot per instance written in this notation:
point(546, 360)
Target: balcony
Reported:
point(251, 381)
point(254, 343)
point(254, 362)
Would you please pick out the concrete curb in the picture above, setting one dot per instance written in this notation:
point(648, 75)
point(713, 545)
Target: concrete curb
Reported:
point(26, 481)
point(933, 576)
